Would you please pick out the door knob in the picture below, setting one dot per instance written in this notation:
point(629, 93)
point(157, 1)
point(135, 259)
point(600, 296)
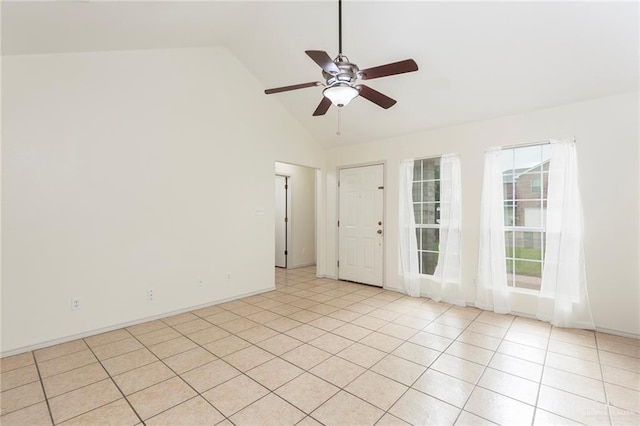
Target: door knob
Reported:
point(379, 231)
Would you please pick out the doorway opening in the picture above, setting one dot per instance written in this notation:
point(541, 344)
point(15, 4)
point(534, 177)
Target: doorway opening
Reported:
point(283, 201)
point(295, 216)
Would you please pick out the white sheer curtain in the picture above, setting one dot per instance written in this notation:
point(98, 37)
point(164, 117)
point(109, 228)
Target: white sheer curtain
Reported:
point(563, 295)
point(408, 245)
point(446, 284)
point(492, 290)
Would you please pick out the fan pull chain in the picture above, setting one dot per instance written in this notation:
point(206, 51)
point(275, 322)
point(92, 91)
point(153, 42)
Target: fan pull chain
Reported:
point(339, 116)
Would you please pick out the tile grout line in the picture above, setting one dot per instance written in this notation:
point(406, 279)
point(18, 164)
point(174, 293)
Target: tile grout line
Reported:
point(604, 387)
point(581, 375)
point(544, 366)
point(343, 388)
point(340, 388)
point(109, 377)
point(22, 384)
point(242, 373)
point(44, 392)
point(475, 384)
point(309, 370)
point(410, 386)
point(406, 340)
point(275, 356)
point(112, 381)
point(198, 394)
point(57, 357)
point(390, 353)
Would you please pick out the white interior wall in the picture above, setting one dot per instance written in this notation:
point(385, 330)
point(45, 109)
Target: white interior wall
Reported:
point(129, 171)
point(117, 171)
point(302, 214)
point(607, 138)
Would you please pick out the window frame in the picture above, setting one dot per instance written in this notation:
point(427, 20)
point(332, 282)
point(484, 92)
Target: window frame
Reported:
point(513, 262)
point(419, 225)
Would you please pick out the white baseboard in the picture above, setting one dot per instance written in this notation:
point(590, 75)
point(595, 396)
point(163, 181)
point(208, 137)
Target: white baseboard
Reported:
point(330, 277)
point(127, 324)
point(302, 265)
point(618, 333)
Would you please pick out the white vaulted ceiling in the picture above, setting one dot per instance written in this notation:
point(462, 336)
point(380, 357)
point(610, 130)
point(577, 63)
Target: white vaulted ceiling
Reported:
point(477, 59)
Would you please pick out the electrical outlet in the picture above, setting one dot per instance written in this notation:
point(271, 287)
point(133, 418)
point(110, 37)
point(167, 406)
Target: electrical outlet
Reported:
point(75, 303)
point(150, 295)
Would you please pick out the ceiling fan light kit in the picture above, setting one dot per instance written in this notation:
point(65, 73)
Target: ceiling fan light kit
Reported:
point(341, 75)
point(340, 94)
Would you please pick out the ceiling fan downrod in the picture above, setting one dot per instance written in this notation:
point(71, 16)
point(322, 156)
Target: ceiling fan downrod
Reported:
point(339, 28)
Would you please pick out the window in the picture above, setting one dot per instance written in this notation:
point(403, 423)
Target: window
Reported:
point(426, 209)
point(525, 179)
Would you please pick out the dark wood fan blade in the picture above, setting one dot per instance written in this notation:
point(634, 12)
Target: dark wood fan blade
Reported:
point(323, 59)
point(408, 65)
point(376, 97)
point(294, 87)
point(323, 107)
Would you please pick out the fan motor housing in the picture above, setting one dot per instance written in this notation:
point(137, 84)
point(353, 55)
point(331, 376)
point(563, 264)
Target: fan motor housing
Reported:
point(348, 73)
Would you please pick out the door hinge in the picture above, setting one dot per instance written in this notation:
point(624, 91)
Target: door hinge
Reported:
point(286, 187)
point(338, 184)
point(286, 253)
point(338, 264)
point(286, 220)
point(338, 224)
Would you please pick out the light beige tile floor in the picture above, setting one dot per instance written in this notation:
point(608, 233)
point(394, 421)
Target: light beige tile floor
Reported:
point(318, 351)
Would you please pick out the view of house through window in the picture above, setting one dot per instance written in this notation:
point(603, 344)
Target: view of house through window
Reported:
point(426, 208)
point(525, 179)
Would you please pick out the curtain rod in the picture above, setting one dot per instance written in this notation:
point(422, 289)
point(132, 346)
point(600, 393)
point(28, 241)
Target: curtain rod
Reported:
point(524, 145)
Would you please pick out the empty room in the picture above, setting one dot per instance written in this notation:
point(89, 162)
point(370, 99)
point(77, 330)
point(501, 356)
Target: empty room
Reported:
point(333, 212)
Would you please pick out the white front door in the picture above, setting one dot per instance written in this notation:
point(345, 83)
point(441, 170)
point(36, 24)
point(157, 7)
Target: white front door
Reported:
point(281, 221)
point(360, 227)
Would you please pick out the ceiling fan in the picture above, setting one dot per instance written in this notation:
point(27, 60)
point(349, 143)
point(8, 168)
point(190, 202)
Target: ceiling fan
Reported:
point(341, 75)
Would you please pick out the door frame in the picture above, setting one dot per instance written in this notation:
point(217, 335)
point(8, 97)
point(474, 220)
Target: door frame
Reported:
point(287, 226)
point(382, 163)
